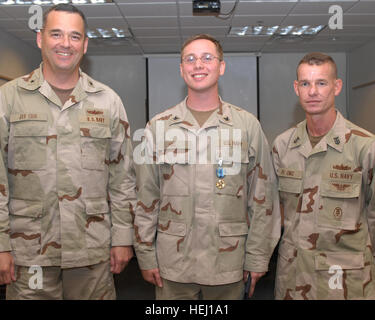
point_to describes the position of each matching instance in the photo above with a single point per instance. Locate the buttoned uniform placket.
(312, 178)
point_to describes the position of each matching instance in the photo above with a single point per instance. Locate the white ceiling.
(161, 26)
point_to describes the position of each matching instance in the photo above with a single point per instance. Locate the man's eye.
(207, 57)
(190, 59)
(304, 84)
(76, 38)
(55, 35)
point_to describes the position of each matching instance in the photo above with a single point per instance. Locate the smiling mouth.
(199, 76)
(64, 54)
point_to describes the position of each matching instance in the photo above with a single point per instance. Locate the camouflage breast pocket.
(95, 145)
(25, 218)
(231, 245)
(339, 200)
(28, 141)
(290, 180)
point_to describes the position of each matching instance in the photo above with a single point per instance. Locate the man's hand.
(152, 276)
(6, 268)
(255, 276)
(120, 257)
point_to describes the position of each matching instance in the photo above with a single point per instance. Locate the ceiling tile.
(156, 32)
(264, 8)
(106, 23)
(149, 9)
(363, 7)
(203, 22)
(214, 31)
(321, 7)
(240, 21)
(154, 22)
(359, 19)
(312, 20)
(100, 10)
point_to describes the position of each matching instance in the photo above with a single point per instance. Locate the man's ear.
(39, 39)
(295, 85)
(338, 86)
(85, 45)
(222, 67)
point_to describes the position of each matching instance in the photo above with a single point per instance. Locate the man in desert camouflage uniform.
(67, 183)
(325, 167)
(202, 226)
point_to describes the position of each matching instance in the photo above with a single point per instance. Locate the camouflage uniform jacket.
(185, 225)
(67, 180)
(327, 197)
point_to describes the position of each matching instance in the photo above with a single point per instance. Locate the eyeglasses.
(206, 58)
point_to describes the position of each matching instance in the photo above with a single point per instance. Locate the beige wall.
(361, 66)
(16, 57)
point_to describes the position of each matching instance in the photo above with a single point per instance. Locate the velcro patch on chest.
(340, 182)
(28, 116)
(95, 116)
(289, 173)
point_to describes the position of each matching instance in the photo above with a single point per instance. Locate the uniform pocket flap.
(290, 185)
(96, 206)
(229, 229)
(26, 208)
(324, 261)
(172, 227)
(338, 184)
(99, 132)
(34, 125)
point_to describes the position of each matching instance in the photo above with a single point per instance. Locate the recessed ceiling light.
(101, 33)
(275, 30)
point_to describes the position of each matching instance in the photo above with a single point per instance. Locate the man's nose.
(313, 90)
(66, 41)
(198, 63)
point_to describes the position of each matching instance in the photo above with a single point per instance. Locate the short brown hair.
(204, 36)
(317, 59)
(65, 7)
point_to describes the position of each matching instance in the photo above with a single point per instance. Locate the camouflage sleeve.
(369, 163)
(146, 218)
(4, 190)
(121, 185)
(263, 203)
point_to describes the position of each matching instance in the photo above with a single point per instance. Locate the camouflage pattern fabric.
(188, 224)
(327, 196)
(67, 184)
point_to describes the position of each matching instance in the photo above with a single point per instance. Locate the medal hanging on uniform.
(220, 174)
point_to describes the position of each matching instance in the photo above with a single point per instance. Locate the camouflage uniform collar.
(334, 138)
(185, 118)
(89, 84)
(35, 79)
